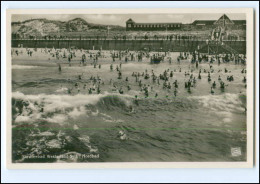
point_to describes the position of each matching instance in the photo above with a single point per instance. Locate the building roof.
(224, 19)
(199, 22)
(206, 22)
(129, 20)
(157, 23)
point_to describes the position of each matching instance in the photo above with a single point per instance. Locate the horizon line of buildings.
(224, 20)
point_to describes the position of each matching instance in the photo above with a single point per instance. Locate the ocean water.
(196, 126)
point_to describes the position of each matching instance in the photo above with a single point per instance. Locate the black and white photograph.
(166, 87)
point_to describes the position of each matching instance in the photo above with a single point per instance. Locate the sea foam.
(57, 108)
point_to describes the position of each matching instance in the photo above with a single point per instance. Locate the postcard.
(130, 88)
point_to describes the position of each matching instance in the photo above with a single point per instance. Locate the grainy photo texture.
(129, 87)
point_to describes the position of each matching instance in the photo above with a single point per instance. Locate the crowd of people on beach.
(126, 55)
(89, 57)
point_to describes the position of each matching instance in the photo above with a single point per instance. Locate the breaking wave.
(227, 102)
(60, 108)
(225, 106)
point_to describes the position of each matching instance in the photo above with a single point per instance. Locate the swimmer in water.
(175, 92)
(140, 83)
(199, 77)
(212, 91)
(90, 91)
(42, 109)
(209, 79)
(59, 68)
(146, 93)
(122, 135)
(171, 74)
(189, 90)
(98, 90)
(119, 75)
(121, 91)
(156, 95)
(194, 80)
(214, 84)
(244, 80)
(222, 85)
(69, 91)
(176, 84)
(226, 70)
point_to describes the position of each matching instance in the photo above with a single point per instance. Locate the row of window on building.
(154, 26)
